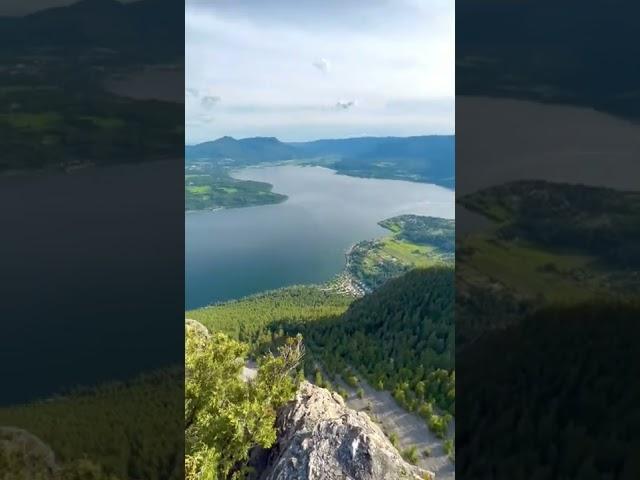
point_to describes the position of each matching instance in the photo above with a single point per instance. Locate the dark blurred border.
(547, 264)
(92, 252)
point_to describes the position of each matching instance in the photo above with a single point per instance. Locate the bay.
(237, 252)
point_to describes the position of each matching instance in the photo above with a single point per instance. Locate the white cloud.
(258, 61)
(323, 65)
(209, 101)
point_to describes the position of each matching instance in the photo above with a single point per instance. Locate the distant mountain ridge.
(246, 150)
(429, 158)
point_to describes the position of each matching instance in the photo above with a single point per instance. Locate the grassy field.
(554, 242)
(33, 121)
(209, 188)
(414, 242)
(532, 270)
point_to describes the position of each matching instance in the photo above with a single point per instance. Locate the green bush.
(218, 401)
(410, 454)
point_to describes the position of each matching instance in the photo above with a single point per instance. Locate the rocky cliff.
(25, 456)
(320, 438)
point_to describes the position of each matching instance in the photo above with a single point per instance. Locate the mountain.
(560, 385)
(245, 151)
(319, 437)
(340, 146)
(427, 159)
(421, 158)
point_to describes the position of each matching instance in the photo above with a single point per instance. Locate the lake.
(238, 252)
(92, 266)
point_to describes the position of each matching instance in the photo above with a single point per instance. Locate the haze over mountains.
(421, 158)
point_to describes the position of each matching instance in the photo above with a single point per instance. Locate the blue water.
(237, 252)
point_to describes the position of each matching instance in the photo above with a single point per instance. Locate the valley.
(233, 253)
(348, 248)
(354, 344)
(407, 271)
(366, 157)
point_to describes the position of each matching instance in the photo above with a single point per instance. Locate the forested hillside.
(556, 386)
(546, 243)
(420, 158)
(255, 319)
(399, 338)
(598, 221)
(128, 430)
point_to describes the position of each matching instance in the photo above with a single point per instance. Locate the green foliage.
(400, 337)
(410, 454)
(83, 470)
(449, 448)
(594, 220)
(343, 393)
(318, 379)
(393, 438)
(360, 393)
(257, 320)
(434, 231)
(62, 118)
(561, 386)
(126, 430)
(415, 242)
(225, 415)
(351, 380)
(20, 464)
(438, 424)
(208, 188)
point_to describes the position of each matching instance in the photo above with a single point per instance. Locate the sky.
(304, 70)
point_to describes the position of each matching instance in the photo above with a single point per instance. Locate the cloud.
(209, 101)
(194, 92)
(345, 105)
(396, 63)
(323, 65)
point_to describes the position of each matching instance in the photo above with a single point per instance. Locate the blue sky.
(301, 70)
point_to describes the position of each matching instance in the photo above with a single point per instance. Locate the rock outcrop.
(23, 455)
(320, 438)
(197, 327)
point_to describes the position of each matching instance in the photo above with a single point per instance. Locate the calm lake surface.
(237, 252)
(89, 293)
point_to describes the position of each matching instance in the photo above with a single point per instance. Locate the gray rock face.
(320, 438)
(200, 329)
(24, 456)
